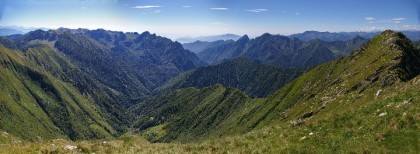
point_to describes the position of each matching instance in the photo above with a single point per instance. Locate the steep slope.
(254, 79)
(197, 46)
(331, 36)
(108, 99)
(8, 43)
(330, 96)
(279, 51)
(96, 60)
(387, 59)
(190, 113)
(344, 48)
(221, 51)
(308, 55)
(35, 104)
(131, 63)
(285, 52)
(417, 44)
(367, 102)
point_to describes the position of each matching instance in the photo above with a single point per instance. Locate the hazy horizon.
(188, 18)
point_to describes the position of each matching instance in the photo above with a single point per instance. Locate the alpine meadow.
(209, 76)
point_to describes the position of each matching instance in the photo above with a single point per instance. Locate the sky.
(180, 18)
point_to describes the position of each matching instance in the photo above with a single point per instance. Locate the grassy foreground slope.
(363, 130)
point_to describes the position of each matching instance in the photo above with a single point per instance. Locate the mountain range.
(76, 84)
(8, 31)
(363, 101)
(45, 96)
(208, 38)
(12, 30)
(131, 63)
(256, 80)
(276, 50)
(356, 95)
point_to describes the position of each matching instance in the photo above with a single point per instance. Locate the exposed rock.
(297, 122)
(70, 147)
(378, 93)
(383, 114)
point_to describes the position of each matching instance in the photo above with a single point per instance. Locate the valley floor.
(385, 125)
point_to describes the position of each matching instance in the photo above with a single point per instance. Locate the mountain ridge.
(363, 102)
(209, 38)
(270, 49)
(334, 90)
(256, 80)
(139, 62)
(58, 106)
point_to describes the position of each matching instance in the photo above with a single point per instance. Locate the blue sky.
(178, 18)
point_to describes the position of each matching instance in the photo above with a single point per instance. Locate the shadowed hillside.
(256, 80)
(350, 95)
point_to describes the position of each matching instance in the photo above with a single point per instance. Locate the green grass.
(192, 114)
(368, 102)
(37, 105)
(256, 80)
(155, 133)
(337, 99)
(358, 131)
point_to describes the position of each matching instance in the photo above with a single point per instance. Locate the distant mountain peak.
(266, 35)
(145, 33)
(209, 38)
(358, 37)
(244, 39)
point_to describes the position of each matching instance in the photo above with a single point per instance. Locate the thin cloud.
(219, 8)
(257, 10)
(156, 11)
(379, 28)
(218, 23)
(393, 20)
(297, 13)
(186, 6)
(152, 12)
(411, 27)
(373, 28)
(398, 19)
(147, 7)
(369, 18)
